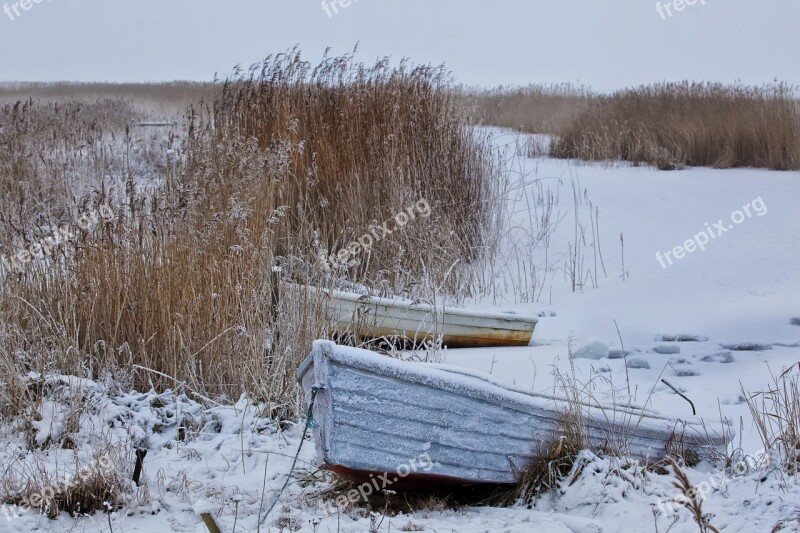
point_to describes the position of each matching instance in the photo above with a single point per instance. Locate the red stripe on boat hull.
(414, 481)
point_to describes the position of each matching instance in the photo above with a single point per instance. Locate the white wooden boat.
(374, 415)
(371, 317)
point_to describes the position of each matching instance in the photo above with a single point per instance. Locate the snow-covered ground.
(741, 292)
(744, 289)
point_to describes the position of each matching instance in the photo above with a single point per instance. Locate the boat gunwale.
(404, 304)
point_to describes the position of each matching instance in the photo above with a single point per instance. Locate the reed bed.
(49, 153)
(287, 164)
(153, 101)
(668, 125)
(673, 125)
(544, 109)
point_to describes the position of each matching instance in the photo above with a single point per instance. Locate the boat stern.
(313, 375)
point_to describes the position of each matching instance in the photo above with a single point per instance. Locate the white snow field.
(712, 323)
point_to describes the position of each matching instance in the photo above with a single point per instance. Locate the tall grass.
(668, 125)
(545, 109)
(287, 164)
(776, 416)
(151, 100)
(673, 125)
(48, 150)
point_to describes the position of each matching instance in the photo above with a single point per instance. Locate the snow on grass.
(727, 316)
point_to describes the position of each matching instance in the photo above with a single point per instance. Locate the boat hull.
(370, 317)
(428, 423)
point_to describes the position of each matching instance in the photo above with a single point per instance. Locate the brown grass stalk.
(285, 165)
(673, 125)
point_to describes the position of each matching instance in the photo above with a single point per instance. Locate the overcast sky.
(601, 43)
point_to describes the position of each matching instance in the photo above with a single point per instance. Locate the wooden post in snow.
(274, 309)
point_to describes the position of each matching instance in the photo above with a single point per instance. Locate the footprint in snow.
(683, 371)
(724, 356)
(747, 346)
(617, 353)
(739, 400)
(638, 364)
(667, 349)
(686, 337)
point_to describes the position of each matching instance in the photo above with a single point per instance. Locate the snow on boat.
(371, 317)
(433, 424)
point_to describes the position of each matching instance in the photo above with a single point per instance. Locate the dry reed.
(286, 165)
(545, 109)
(673, 125)
(776, 415)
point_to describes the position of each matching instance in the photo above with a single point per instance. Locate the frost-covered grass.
(283, 166)
(69, 448)
(231, 462)
(287, 164)
(151, 332)
(776, 415)
(153, 101)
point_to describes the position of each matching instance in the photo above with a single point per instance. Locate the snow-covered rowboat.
(374, 415)
(371, 317)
